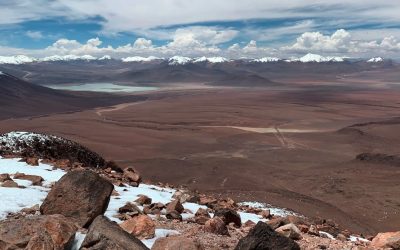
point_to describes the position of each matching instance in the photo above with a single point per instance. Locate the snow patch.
(78, 240)
(106, 57)
(15, 199)
(274, 210)
(375, 59)
(328, 235)
(318, 58)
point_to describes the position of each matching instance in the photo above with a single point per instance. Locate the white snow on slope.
(67, 58)
(13, 139)
(15, 199)
(217, 59)
(1, 73)
(179, 60)
(266, 59)
(275, 211)
(157, 194)
(140, 59)
(19, 59)
(375, 59)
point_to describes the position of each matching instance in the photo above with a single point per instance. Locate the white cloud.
(36, 35)
(342, 41)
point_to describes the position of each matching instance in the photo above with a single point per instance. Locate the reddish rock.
(132, 175)
(303, 228)
(37, 232)
(266, 214)
(80, 196)
(387, 240)
(9, 184)
(173, 215)
(176, 243)
(143, 199)
(202, 212)
(5, 177)
(207, 201)
(313, 230)
(130, 209)
(175, 205)
(35, 179)
(216, 226)
(228, 216)
(107, 235)
(33, 161)
(276, 222)
(141, 226)
(290, 230)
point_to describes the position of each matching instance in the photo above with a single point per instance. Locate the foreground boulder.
(176, 243)
(80, 196)
(107, 235)
(389, 240)
(141, 226)
(37, 232)
(263, 237)
(228, 216)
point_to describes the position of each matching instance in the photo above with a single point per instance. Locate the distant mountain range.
(177, 60)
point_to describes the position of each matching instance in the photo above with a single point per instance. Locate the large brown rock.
(263, 237)
(141, 226)
(389, 240)
(80, 196)
(228, 216)
(176, 243)
(37, 232)
(104, 234)
(216, 226)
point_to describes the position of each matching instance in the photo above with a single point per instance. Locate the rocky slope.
(78, 206)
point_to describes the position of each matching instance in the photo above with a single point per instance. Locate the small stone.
(290, 231)
(216, 226)
(175, 205)
(9, 184)
(5, 177)
(143, 199)
(174, 215)
(141, 226)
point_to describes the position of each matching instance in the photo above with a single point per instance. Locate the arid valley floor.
(292, 146)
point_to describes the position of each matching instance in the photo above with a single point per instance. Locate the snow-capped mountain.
(106, 57)
(217, 59)
(67, 58)
(318, 58)
(375, 59)
(140, 59)
(179, 60)
(19, 59)
(266, 59)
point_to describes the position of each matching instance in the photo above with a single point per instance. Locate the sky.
(228, 28)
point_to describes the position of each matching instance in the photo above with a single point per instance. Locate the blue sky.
(230, 28)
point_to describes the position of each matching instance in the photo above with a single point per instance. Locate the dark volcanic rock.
(228, 216)
(79, 195)
(263, 237)
(48, 147)
(104, 234)
(37, 232)
(379, 159)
